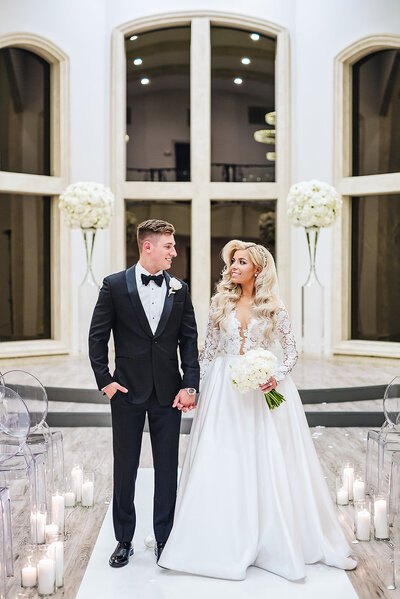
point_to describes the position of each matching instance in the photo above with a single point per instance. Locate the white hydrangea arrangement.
(313, 204)
(254, 368)
(87, 205)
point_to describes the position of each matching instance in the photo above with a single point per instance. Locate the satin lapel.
(169, 302)
(135, 299)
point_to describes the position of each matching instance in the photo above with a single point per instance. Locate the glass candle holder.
(342, 494)
(381, 522)
(76, 482)
(69, 493)
(56, 552)
(348, 478)
(28, 569)
(88, 489)
(46, 572)
(58, 509)
(359, 489)
(362, 520)
(50, 531)
(38, 526)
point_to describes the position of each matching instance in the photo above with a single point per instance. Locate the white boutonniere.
(174, 285)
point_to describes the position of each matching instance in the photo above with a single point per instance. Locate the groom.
(151, 316)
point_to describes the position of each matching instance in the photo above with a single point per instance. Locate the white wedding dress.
(251, 490)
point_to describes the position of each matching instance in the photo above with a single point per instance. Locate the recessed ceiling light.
(255, 37)
(245, 60)
(238, 81)
(145, 81)
(137, 61)
(133, 38)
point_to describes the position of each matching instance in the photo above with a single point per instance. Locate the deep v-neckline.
(243, 331)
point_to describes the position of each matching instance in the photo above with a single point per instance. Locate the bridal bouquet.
(313, 204)
(87, 205)
(253, 369)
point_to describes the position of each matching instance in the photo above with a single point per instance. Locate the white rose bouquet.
(87, 205)
(253, 369)
(313, 204)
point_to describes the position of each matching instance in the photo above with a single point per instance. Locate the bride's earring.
(256, 275)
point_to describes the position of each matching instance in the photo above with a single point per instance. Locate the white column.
(200, 132)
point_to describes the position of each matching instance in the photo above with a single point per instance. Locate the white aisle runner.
(143, 579)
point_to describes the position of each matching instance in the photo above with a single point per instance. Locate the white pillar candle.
(56, 551)
(87, 494)
(28, 576)
(380, 519)
(342, 496)
(69, 499)
(51, 531)
(363, 525)
(46, 576)
(348, 480)
(38, 523)
(359, 490)
(57, 510)
(76, 480)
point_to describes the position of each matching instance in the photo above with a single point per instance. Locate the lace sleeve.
(210, 347)
(287, 341)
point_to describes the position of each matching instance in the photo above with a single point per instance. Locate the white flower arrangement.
(254, 368)
(87, 205)
(313, 204)
(174, 285)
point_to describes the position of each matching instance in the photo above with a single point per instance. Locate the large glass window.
(176, 213)
(242, 93)
(376, 113)
(24, 112)
(24, 267)
(158, 105)
(249, 221)
(375, 289)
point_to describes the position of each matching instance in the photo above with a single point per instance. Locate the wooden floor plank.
(92, 448)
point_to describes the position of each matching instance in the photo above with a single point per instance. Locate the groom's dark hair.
(153, 226)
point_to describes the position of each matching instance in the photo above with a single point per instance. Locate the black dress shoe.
(121, 555)
(158, 549)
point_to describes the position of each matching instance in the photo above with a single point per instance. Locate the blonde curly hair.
(265, 304)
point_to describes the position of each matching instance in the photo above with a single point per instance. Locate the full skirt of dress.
(251, 490)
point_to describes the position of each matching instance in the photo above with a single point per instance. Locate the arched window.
(33, 170)
(197, 148)
(368, 173)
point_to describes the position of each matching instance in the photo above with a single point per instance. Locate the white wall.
(318, 30)
(321, 31)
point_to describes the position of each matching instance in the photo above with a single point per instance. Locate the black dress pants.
(128, 422)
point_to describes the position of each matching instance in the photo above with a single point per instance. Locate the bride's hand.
(269, 385)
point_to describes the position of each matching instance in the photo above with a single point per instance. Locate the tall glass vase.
(312, 302)
(88, 291)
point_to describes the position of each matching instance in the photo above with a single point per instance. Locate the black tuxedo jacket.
(144, 361)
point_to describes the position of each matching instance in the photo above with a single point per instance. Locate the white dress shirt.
(152, 296)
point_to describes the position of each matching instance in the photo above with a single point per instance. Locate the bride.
(251, 491)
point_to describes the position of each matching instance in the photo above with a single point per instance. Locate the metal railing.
(308, 396)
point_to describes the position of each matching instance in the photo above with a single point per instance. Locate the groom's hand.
(183, 401)
(112, 388)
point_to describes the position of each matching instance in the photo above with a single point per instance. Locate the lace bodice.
(229, 342)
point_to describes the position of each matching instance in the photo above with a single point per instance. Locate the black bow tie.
(158, 279)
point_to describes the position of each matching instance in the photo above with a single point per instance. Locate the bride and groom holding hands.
(251, 491)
